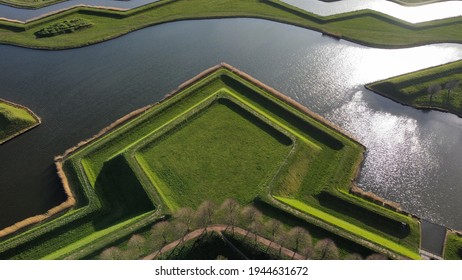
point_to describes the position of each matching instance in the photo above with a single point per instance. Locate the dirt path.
(220, 229)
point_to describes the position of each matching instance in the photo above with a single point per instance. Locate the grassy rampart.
(220, 135)
(15, 120)
(29, 4)
(415, 89)
(364, 27)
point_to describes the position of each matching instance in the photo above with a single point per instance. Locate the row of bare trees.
(233, 215)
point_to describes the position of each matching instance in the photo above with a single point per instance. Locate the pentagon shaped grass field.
(221, 135)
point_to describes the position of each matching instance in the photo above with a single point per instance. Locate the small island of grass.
(15, 120)
(437, 88)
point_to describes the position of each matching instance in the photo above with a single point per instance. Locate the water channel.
(413, 157)
(411, 14)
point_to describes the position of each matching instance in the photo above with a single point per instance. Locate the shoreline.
(418, 107)
(293, 16)
(37, 119)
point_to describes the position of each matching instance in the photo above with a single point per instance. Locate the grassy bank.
(365, 27)
(453, 246)
(15, 120)
(426, 89)
(29, 4)
(221, 135)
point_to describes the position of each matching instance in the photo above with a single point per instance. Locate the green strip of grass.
(377, 239)
(91, 238)
(365, 27)
(412, 89)
(15, 120)
(30, 4)
(453, 246)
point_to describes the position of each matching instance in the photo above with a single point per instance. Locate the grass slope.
(223, 135)
(15, 120)
(365, 27)
(412, 88)
(29, 4)
(226, 151)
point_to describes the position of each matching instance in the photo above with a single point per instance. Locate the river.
(413, 157)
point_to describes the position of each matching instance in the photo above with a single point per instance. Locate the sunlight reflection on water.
(404, 160)
(399, 160)
(411, 14)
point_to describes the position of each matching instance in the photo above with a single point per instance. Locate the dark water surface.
(413, 157)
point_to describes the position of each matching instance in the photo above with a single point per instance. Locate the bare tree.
(136, 242)
(111, 253)
(450, 86)
(432, 90)
(163, 229)
(326, 250)
(308, 252)
(274, 227)
(256, 227)
(182, 230)
(204, 214)
(249, 214)
(281, 239)
(231, 209)
(299, 238)
(186, 216)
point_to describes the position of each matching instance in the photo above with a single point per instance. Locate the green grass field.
(14, 120)
(223, 136)
(364, 27)
(453, 246)
(224, 152)
(412, 88)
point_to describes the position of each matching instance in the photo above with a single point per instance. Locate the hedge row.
(67, 26)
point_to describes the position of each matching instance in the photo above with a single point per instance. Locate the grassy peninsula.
(265, 149)
(438, 88)
(15, 120)
(364, 27)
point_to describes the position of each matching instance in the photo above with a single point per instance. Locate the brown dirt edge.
(418, 107)
(220, 229)
(37, 119)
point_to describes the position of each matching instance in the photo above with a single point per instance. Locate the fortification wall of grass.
(364, 27)
(119, 184)
(412, 89)
(15, 120)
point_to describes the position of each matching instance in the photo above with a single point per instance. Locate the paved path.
(220, 229)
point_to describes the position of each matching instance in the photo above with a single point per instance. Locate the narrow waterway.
(413, 157)
(411, 14)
